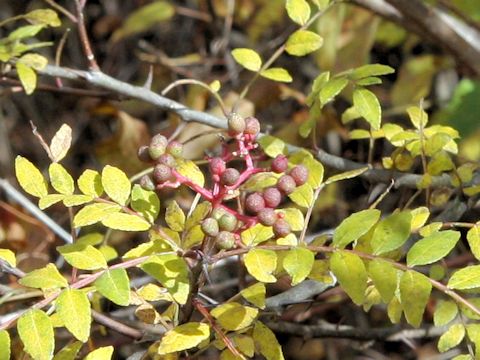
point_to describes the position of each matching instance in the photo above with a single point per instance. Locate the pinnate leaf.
(36, 332)
(145, 202)
(115, 286)
(302, 195)
(73, 307)
(346, 175)
(256, 234)
(27, 77)
(261, 264)
(371, 70)
(384, 277)
(391, 233)
(30, 178)
(277, 74)
(248, 58)
(233, 316)
(61, 179)
(355, 226)
(82, 256)
(298, 11)
(61, 142)
(255, 294)
(445, 312)
(47, 277)
(432, 248)
(298, 263)
(102, 353)
(451, 338)
(466, 278)
(175, 217)
(351, 274)
(303, 42)
(76, 199)
(473, 238)
(125, 222)
(90, 183)
(4, 345)
(190, 170)
(266, 342)
(368, 107)
(69, 352)
(8, 256)
(116, 184)
(44, 17)
(415, 291)
(184, 337)
(94, 213)
(331, 89)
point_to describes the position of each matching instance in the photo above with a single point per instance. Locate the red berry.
(225, 240)
(162, 173)
(210, 227)
(167, 159)
(236, 124)
(157, 147)
(175, 149)
(252, 126)
(267, 217)
(272, 197)
(254, 203)
(281, 228)
(286, 184)
(217, 166)
(279, 164)
(143, 154)
(229, 176)
(300, 174)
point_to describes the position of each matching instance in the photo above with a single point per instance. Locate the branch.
(97, 78)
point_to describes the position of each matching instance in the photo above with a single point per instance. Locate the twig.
(116, 325)
(58, 53)
(61, 9)
(82, 32)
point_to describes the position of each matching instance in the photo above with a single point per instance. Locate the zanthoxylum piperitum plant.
(254, 199)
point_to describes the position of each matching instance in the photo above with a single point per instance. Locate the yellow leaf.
(50, 199)
(298, 11)
(94, 213)
(175, 217)
(255, 294)
(125, 222)
(82, 256)
(61, 179)
(248, 58)
(102, 353)
(261, 264)
(73, 307)
(190, 170)
(184, 337)
(90, 183)
(303, 42)
(266, 342)
(8, 256)
(75, 200)
(47, 277)
(233, 316)
(116, 184)
(27, 77)
(277, 74)
(298, 263)
(30, 178)
(5, 345)
(36, 332)
(34, 61)
(43, 16)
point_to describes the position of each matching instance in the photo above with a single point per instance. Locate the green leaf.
(315, 172)
(298, 11)
(47, 277)
(84, 257)
(418, 117)
(466, 278)
(76, 200)
(61, 179)
(69, 352)
(102, 353)
(43, 16)
(302, 195)
(30, 178)
(371, 70)
(61, 142)
(50, 199)
(145, 202)
(303, 42)
(190, 170)
(331, 89)
(256, 234)
(345, 175)
(351, 274)
(4, 345)
(36, 332)
(172, 272)
(233, 316)
(183, 337)
(90, 183)
(419, 217)
(415, 291)
(175, 217)
(294, 217)
(201, 212)
(369, 81)
(261, 264)
(451, 338)
(368, 107)
(115, 286)
(125, 222)
(473, 238)
(8, 256)
(266, 342)
(298, 263)
(27, 77)
(73, 307)
(432, 248)
(272, 146)
(355, 226)
(391, 233)
(384, 277)
(248, 58)
(94, 213)
(445, 312)
(116, 184)
(255, 294)
(277, 74)
(25, 32)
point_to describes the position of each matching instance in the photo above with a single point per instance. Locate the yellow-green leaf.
(294, 217)
(90, 183)
(432, 248)
(256, 234)
(351, 274)
(355, 226)
(248, 58)
(76, 199)
(298, 263)
(102, 353)
(277, 74)
(47, 277)
(303, 42)
(266, 342)
(115, 286)
(116, 184)
(261, 264)
(418, 117)
(25, 32)
(466, 278)
(255, 294)
(125, 222)
(82, 256)
(233, 316)
(384, 277)
(30, 178)
(302, 195)
(61, 142)
(145, 202)
(445, 311)
(175, 217)
(272, 146)
(36, 332)
(368, 107)
(298, 11)
(315, 172)
(61, 179)
(415, 291)
(34, 61)
(50, 199)
(94, 213)
(4, 345)
(451, 338)
(346, 175)
(473, 238)
(27, 77)
(371, 70)
(190, 170)
(73, 307)
(69, 352)
(391, 232)
(183, 337)
(8, 256)
(419, 217)
(43, 16)
(331, 89)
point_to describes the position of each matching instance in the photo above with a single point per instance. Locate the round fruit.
(272, 197)
(162, 173)
(267, 217)
(286, 184)
(254, 203)
(217, 166)
(236, 123)
(225, 240)
(210, 227)
(227, 222)
(229, 176)
(146, 183)
(281, 228)
(175, 149)
(252, 126)
(167, 159)
(157, 147)
(218, 213)
(300, 174)
(279, 164)
(144, 154)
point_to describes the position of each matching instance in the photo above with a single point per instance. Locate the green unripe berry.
(236, 123)
(175, 149)
(229, 177)
(157, 147)
(225, 240)
(286, 184)
(146, 183)
(281, 228)
(210, 227)
(254, 203)
(228, 222)
(218, 213)
(267, 216)
(162, 173)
